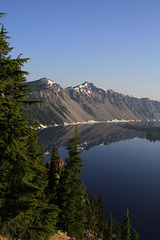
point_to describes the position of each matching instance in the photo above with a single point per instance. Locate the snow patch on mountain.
(50, 82)
(84, 88)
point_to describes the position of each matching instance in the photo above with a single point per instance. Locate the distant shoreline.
(95, 122)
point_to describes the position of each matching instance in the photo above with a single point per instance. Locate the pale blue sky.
(112, 43)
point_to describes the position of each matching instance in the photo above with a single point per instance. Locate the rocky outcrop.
(60, 166)
(60, 236)
(90, 235)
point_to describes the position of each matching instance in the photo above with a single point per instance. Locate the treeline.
(110, 229)
(35, 199)
(153, 136)
(79, 211)
(25, 210)
(140, 127)
(152, 133)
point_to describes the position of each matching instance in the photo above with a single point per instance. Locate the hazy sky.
(113, 43)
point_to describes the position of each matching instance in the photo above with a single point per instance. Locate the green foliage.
(95, 221)
(70, 195)
(110, 228)
(29, 198)
(24, 208)
(53, 175)
(116, 229)
(101, 213)
(2, 15)
(126, 227)
(95, 214)
(91, 213)
(135, 235)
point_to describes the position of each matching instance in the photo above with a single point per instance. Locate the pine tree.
(24, 209)
(116, 229)
(101, 215)
(109, 228)
(135, 235)
(54, 172)
(70, 197)
(91, 213)
(126, 227)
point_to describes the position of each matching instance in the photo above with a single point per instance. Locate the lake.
(126, 170)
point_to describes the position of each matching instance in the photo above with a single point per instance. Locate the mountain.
(86, 102)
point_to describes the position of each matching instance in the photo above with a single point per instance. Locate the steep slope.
(57, 106)
(95, 101)
(86, 102)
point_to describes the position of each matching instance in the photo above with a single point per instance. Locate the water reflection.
(126, 173)
(153, 136)
(90, 135)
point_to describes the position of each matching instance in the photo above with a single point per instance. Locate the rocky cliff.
(87, 102)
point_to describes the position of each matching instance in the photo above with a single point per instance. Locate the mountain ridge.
(86, 102)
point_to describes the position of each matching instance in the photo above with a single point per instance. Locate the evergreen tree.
(91, 213)
(93, 201)
(135, 235)
(116, 229)
(53, 175)
(110, 228)
(126, 227)
(101, 215)
(70, 197)
(92, 221)
(24, 209)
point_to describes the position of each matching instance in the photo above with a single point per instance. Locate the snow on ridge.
(83, 88)
(50, 82)
(85, 84)
(77, 89)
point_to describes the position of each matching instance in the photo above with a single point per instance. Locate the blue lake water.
(121, 165)
(127, 173)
